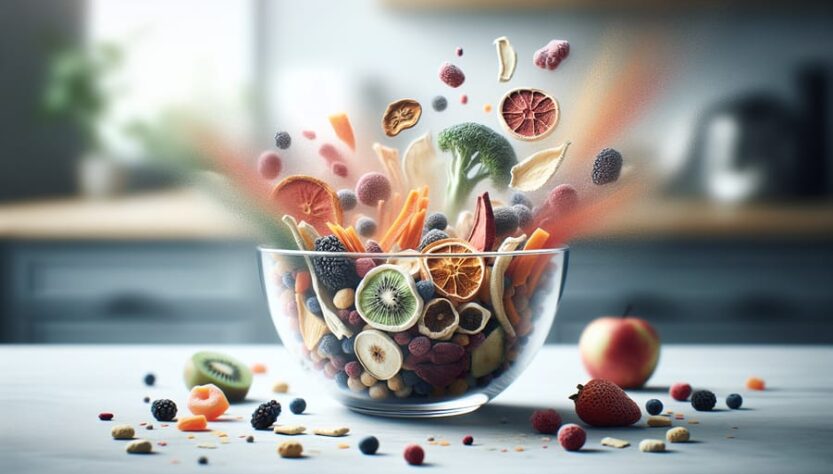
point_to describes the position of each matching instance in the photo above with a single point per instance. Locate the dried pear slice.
(507, 59)
(473, 318)
(380, 356)
(533, 173)
(502, 262)
(488, 356)
(419, 163)
(439, 319)
(301, 232)
(311, 326)
(389, 157)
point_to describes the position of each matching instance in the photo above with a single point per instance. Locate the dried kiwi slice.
(387, 299)
(226, 372)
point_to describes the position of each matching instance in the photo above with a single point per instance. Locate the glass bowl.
(427, 359)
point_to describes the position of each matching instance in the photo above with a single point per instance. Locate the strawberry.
(602, 403)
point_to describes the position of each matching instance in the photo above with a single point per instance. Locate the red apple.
(623, 350)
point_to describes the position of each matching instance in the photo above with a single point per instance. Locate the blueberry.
(439, 103)
(298, 406)
(329, 346)
(288, 280)
(410, 378)
(366, 226)
(348, 199)
(734, 401)
(314, 306)
(347, 346)
(520, 198)
(283, 140)
(425, 289)
(150, 379)
(653, 406)
(524, 215)
(341, 379)
(422, 387)
(437, 221)
(369, 445)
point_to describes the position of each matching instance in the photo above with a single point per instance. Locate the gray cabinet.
(110, 292)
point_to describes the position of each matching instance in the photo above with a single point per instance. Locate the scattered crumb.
(693, 421)
(546, 438)
(503, 450)
(280, 387)
(162, 443)
(207, 446)
(615, 443)
(191, 436)
(519, 449)
(343, 446)
(430, 438)
(730, 437)
(443, 443)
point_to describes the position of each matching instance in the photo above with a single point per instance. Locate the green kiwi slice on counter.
(227, 373)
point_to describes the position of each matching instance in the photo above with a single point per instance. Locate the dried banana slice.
(302, 233)
(507, 59)
(496, 281)
(419, 163)
(533, 173)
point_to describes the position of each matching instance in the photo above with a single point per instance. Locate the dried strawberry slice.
(529, 114)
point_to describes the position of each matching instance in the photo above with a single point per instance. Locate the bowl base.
(457, 406)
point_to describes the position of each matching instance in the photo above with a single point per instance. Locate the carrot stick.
(523, 265)
(401, 222)
(344, 131)
(418, 223)
(381, 214)
(342, 236)
(511, 312)
(357, 242)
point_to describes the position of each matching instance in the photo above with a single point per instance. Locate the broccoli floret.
(478, 152)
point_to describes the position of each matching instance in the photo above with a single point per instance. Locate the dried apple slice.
(482, 234)
(533, 173)
(419, 163)
(507, 59)
(528, 114)
(496, 283)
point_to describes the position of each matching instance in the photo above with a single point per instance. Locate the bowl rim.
(269, 250)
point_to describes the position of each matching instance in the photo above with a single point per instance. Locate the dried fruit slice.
(507, 59)
(457, 278)
(312, 327)
(419, 163)
(308, 199)
(496, 283)
(528, 114)
(409, 261)
(473, 318)
(344, 131)
(387, 299)
(482, 235)
(487, 357)
(400, 115)
(380, 356)
(533, 173)
(439, 319)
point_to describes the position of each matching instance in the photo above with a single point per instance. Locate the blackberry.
(373, 247)
(425, 289)
(520, 198)
(163, 410)
(524, 215)
(506, 221)
(329, 346)
(283, 140)
(432, 236)
(437, 221)
(298, 406)
(150, 379)
(266, 415)
(348, 199)
(703, 400)
(369, 445)
(734, 401)
(607, 166)
(334, 272)
(653, 406)
(439, 103)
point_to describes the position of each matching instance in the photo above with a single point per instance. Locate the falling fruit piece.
(344, 131)
(419, 162)
(400, 115)
(457, 278)
(528, 114)
(497, 282)
(533, 173)
(482, 235)
(308, 199)
(507, 59)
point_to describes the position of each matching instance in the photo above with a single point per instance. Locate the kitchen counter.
(51, 396)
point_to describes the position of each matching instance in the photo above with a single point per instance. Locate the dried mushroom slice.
(401, 115)
(473, 318)
(439, 319)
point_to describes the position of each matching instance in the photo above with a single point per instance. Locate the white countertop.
(51, 396)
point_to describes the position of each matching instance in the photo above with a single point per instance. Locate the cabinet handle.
(134, 305)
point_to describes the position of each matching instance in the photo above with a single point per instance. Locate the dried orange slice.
(528, 114)
(308, 199)
(457, 278)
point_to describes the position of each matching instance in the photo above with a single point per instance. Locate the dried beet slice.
(308, 199)
(482, 235)
(528, 114)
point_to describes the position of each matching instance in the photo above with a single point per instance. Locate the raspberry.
(373, 187)
(355, 319)
(571, 437)
(734, 401)
(703, 400)
(414, 454)
(309, 134)
(419, 346)
(562, 199)
(373, 247)
(451, 75)
(163, 410)
(680, 391)
(283, 140)
(458, 51)
(402, 338)
(439, 103)
(105, 416)
(468, 440)
(653, 406)
(353, 369)
(269, 165)
(339, 169)
(551, 55)
(364, 265)
(464, 99)
(545, 421)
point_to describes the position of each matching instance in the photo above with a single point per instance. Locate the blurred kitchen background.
(107, 235)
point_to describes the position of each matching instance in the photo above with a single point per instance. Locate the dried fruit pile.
(436, 313)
